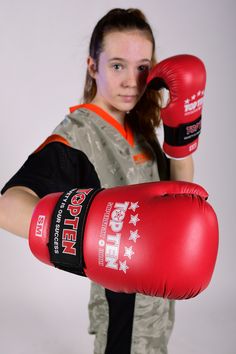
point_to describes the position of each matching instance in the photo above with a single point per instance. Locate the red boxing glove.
(157, 239)
(185, 78)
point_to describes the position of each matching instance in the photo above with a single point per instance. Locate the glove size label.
(40, 226)
(66, 233)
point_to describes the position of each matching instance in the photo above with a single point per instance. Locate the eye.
(144, 68)
(117, 67)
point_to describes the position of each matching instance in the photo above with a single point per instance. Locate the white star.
(193, 97)
(134, 219)
(129, 252)
(134, 236)
(123, 266)
(187, 101)
(134, 206)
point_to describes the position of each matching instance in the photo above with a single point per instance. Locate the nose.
(130, 79)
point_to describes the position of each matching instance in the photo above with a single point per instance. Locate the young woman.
(109, 140)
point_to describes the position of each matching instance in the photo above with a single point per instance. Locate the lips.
(128, 98)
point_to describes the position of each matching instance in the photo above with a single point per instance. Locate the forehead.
(133, 45)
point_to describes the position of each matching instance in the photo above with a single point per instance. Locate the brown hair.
(145, 116)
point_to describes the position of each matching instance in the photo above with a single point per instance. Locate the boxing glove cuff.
(67, 229)
(183, 134)
(57, 228)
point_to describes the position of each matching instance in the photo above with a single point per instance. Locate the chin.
(127, 107)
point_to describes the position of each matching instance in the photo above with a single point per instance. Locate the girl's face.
(122, 70)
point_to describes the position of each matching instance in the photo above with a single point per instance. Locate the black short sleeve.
(55, 168)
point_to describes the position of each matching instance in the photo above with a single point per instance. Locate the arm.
(54, 168)
(182, 170)
(16, 208)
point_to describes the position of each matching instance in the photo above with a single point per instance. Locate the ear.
(91, 65)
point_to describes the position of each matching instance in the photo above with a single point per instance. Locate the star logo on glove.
(123, 266)
(134, 219)
(129, 252)
(134, 206)
(134, 236)
(118, 215)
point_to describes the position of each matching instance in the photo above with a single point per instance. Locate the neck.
(116, 114)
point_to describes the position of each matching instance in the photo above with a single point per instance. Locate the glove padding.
(185, 77)
(158, 238)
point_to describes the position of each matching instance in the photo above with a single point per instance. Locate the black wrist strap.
(183, 134)
(67, 230)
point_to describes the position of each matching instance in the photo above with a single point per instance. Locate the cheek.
(143, 79)
(105, 81)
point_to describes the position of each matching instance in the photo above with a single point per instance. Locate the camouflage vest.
(120, 158)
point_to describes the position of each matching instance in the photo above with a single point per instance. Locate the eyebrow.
(124, 60)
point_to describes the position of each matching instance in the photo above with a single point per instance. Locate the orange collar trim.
(52, 138)
(126, 132)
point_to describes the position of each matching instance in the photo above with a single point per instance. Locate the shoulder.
(66, 164)
(57, 150)
(76, 125)
(55, 167)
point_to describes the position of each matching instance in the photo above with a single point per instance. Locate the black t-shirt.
(55, 168)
